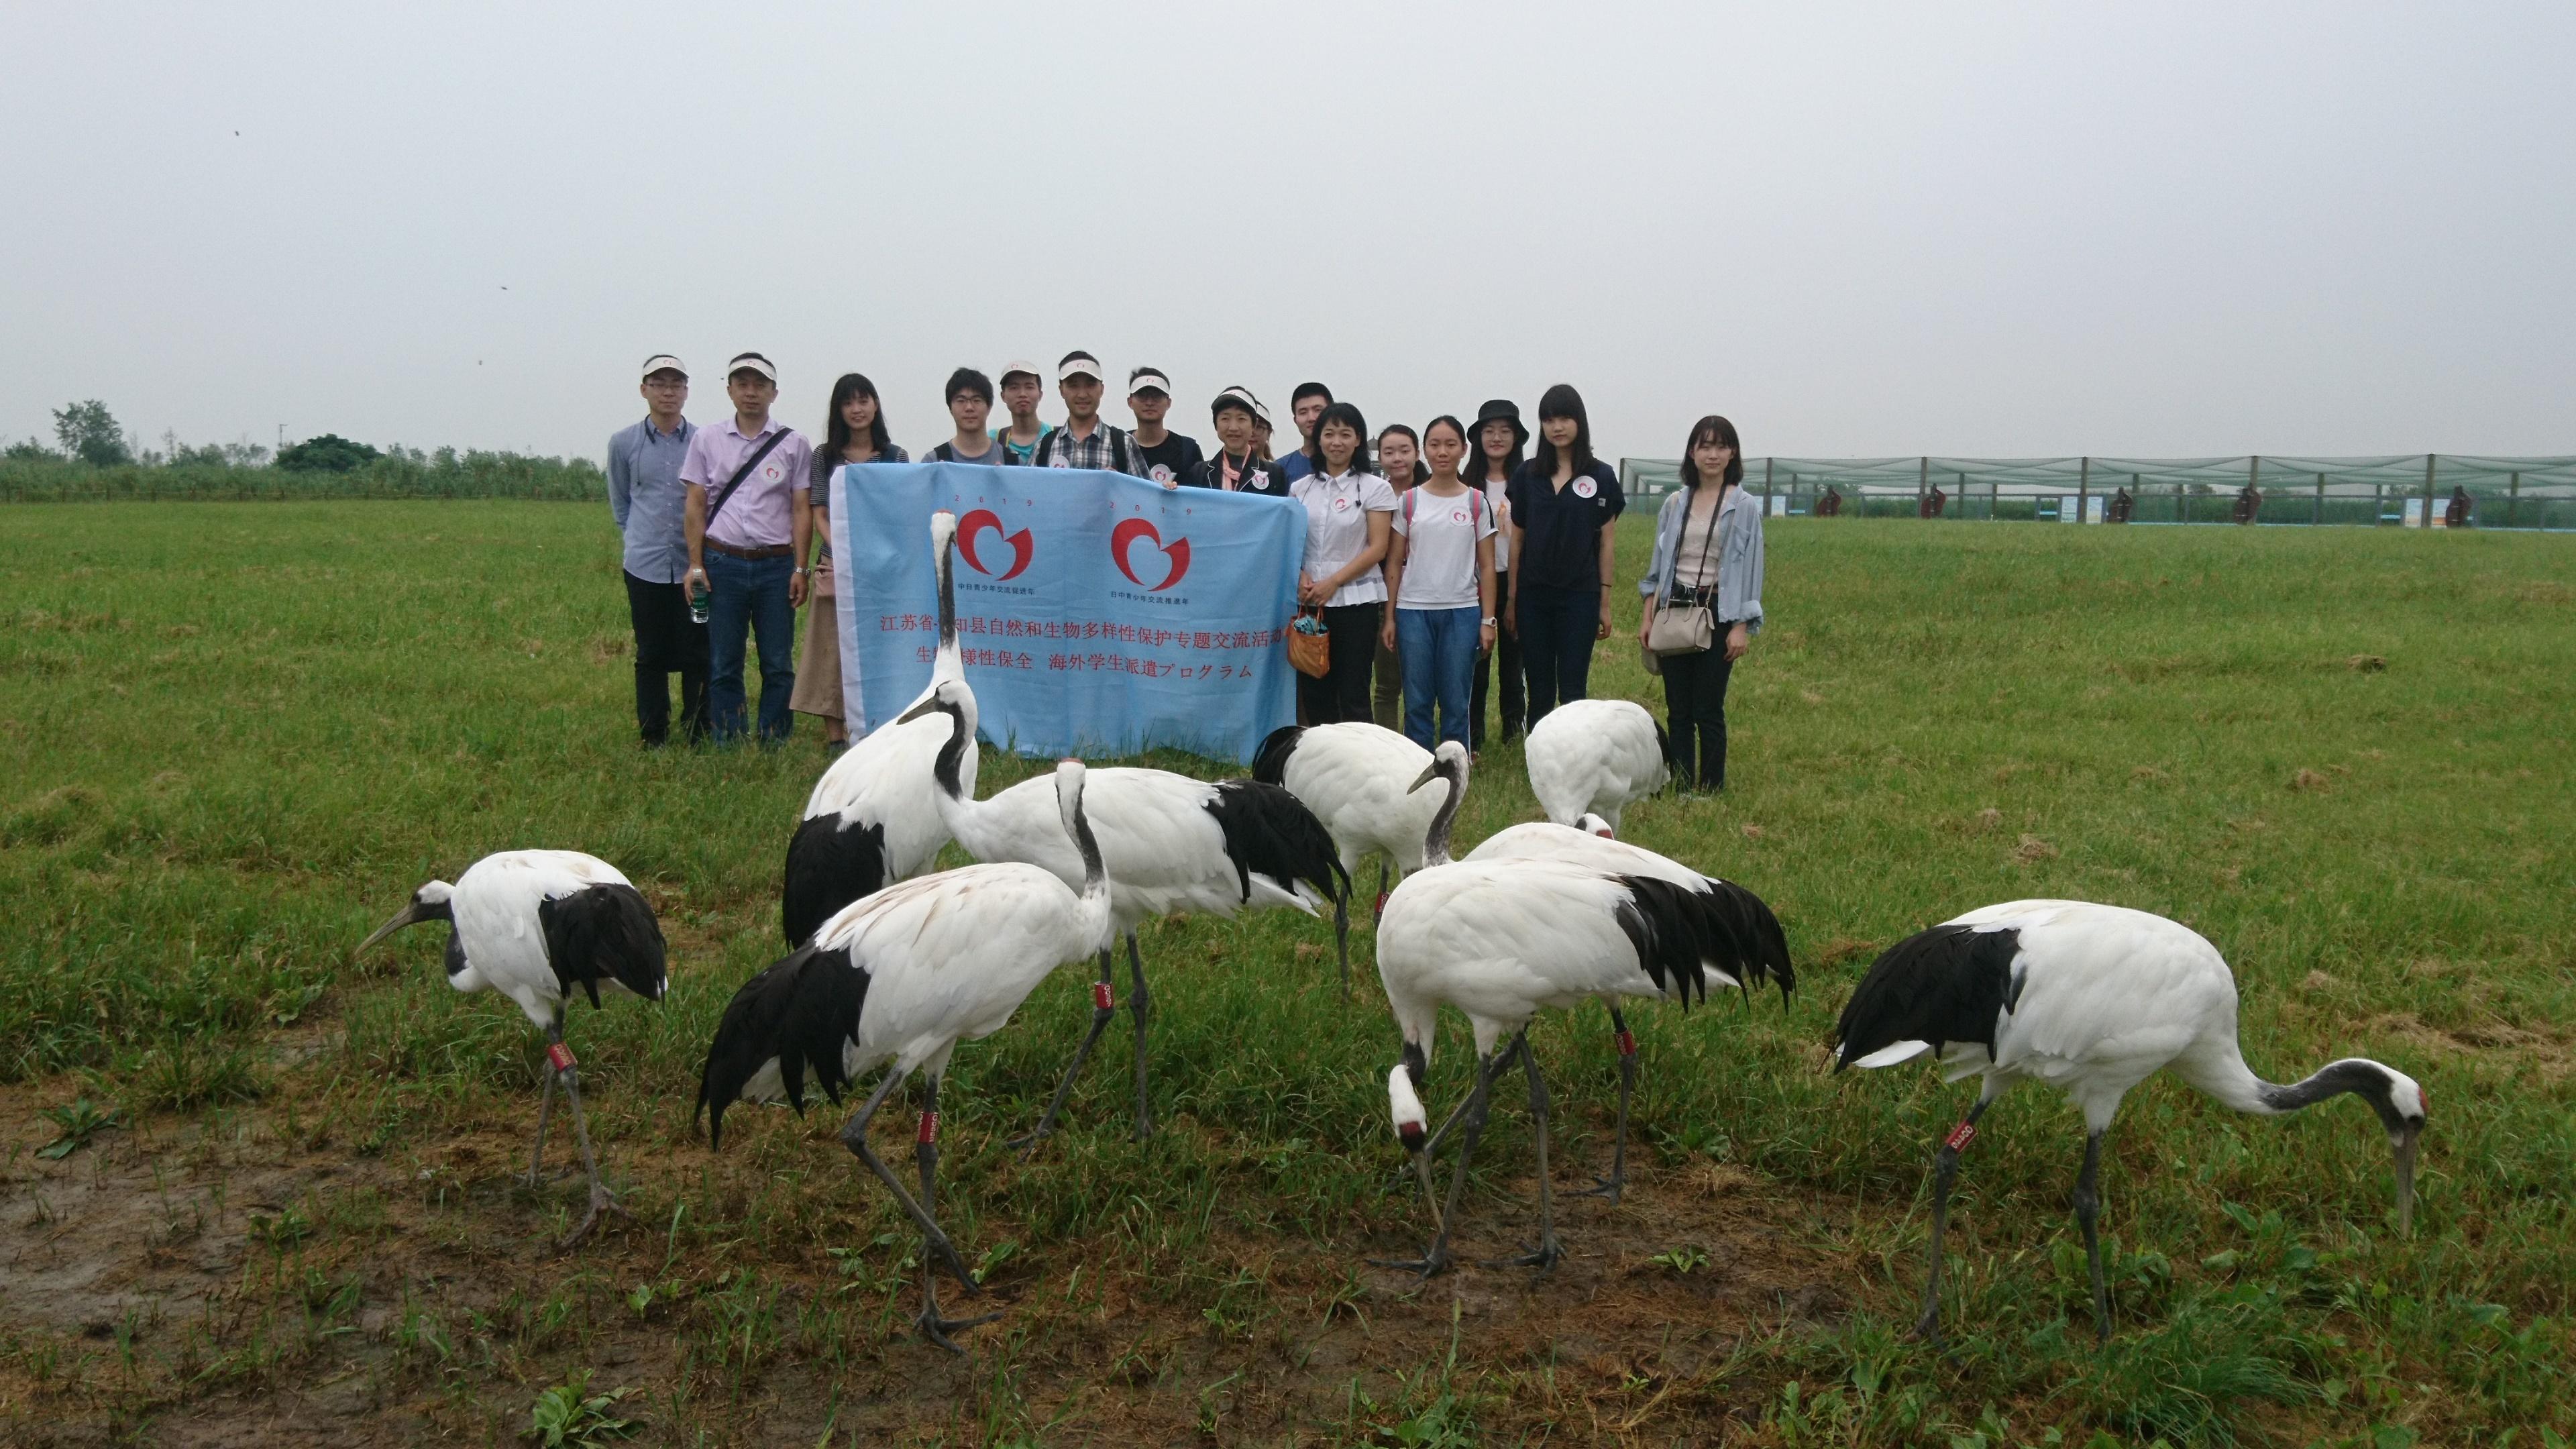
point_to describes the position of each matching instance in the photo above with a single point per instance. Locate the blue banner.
(1101, 615)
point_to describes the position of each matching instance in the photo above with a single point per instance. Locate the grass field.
(253, 1189)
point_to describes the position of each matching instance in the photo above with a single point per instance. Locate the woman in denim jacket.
(1708, 550)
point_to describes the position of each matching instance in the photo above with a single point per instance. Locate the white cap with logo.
(663, 362)
(752, 362)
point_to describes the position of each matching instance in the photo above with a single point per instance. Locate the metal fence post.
(2321, 498)
(2083, 485)
(2513, 500)
(2428, 489)
(1922, 483)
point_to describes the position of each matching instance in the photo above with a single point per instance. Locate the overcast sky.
(1971, 229)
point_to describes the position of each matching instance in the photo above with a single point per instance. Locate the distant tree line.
(94, 458)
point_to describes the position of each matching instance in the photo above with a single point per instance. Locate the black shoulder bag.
(716, 504)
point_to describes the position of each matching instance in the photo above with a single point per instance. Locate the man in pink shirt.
(747, 526)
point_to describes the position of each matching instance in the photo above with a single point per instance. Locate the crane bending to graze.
(1746, 924)
(1172, 843)
(538, 926)
(2091, 1000)
(1502, 940)
(904, 976)
(1595, 755)
(1359, 779)
(873, 817)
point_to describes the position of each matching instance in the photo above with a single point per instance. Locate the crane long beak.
(408, 915)
(2402, 1147)
(917, 711)
(1429, 773)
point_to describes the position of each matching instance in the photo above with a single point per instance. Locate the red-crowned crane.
(1502, 940)
(2091, 1000)
(874, 816)
(538, 926)
(1359, 779)
(1750, 926)
(1172, 843)
(904, 975)
(1594, 755)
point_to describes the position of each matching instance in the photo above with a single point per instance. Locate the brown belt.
(775, 550)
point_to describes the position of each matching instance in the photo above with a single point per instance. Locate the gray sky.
(1970, 229)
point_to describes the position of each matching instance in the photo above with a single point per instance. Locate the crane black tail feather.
(801, 1012)
(1270, 762)
(1679, 933)
(830, 863)
(604, 933)
(1948, 984)
(1268, 830)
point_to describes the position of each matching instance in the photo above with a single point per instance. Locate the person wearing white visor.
(1085, 441)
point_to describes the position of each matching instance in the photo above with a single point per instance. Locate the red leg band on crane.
(1627, 1044)
(929, 1127)
(1960, 1136)
(560, 1055)
(1101, 997)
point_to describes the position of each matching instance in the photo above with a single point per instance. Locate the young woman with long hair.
(1399, 461)
(1440, 570)
(1563, 503)
(854, 431)
(1708, 552)
(1495, 447)
(1347, 513)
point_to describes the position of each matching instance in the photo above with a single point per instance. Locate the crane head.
(429, 903)
(2404, 1107)
(1591, 824)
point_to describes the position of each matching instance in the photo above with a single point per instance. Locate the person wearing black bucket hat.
(1495, 447)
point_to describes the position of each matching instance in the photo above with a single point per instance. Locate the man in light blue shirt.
(646, 499)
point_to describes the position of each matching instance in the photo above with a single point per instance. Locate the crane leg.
(925, 1152)
(1378, 906)
(545, 1110)
(855, 1137)
(1140, 1005)
(1103, 1007)
(1431, 1145)
(1548, 1251)
(1945, 1170)
(2088, 1208)
(1609, 1186)
(1342, 939)
(601, 1199)
(1436, 1258)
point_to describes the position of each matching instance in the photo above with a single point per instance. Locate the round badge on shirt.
(770, 472)
(1341, 505)
(1585, 487)
(1160, 474)
(1459, 516)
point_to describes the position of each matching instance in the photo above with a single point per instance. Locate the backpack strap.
(1118, 453)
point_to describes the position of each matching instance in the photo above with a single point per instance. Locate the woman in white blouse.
(1442, 572)
(1348, 518)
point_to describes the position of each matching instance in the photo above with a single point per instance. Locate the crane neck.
(950, 662)
(2236, 1085)
(1435, 842)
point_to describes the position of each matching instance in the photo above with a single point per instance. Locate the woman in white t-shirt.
(1442, 570)
(1347, 507)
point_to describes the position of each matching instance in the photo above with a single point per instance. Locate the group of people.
(1436, 562)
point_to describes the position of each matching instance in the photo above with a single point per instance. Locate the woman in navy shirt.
(1563, 502)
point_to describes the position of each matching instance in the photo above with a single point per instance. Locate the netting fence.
(2409, 490)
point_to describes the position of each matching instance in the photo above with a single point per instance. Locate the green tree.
(329, 453)
(89, 432)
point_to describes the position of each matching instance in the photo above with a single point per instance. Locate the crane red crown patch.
(929, 1127)
(1101, 997)
(561, 1056)
(1960, 1136)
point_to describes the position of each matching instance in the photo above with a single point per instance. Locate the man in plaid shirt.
(1085, 441)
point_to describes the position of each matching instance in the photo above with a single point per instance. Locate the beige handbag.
(1685, 628)
(1311, 654)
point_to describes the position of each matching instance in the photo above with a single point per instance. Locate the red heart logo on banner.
(1023, 547)
(1178, 551)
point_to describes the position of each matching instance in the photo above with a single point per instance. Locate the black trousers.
(1558, 629)
(1342, 695)
(667, 641)
(1695, 695)
(1503, 658)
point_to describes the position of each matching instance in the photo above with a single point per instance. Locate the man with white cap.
(646, 498)
(749, 523)
(1170, 458)
(1085, 441)
(1022, 385)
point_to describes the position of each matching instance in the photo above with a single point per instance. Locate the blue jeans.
(749, 597)
(1558, 628)
(1438, 647)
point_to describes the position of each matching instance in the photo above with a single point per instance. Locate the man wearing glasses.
(646, 499)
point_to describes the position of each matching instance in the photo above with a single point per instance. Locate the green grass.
(239, 734)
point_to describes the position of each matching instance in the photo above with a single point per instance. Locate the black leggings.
(1558, 630)
(1343, 694)
(1503, 661)
(667, 642)
(1695, 693)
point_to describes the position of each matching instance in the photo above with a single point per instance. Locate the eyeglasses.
(666, 382)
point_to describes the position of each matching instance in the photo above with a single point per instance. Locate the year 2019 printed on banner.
(1100, 615)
